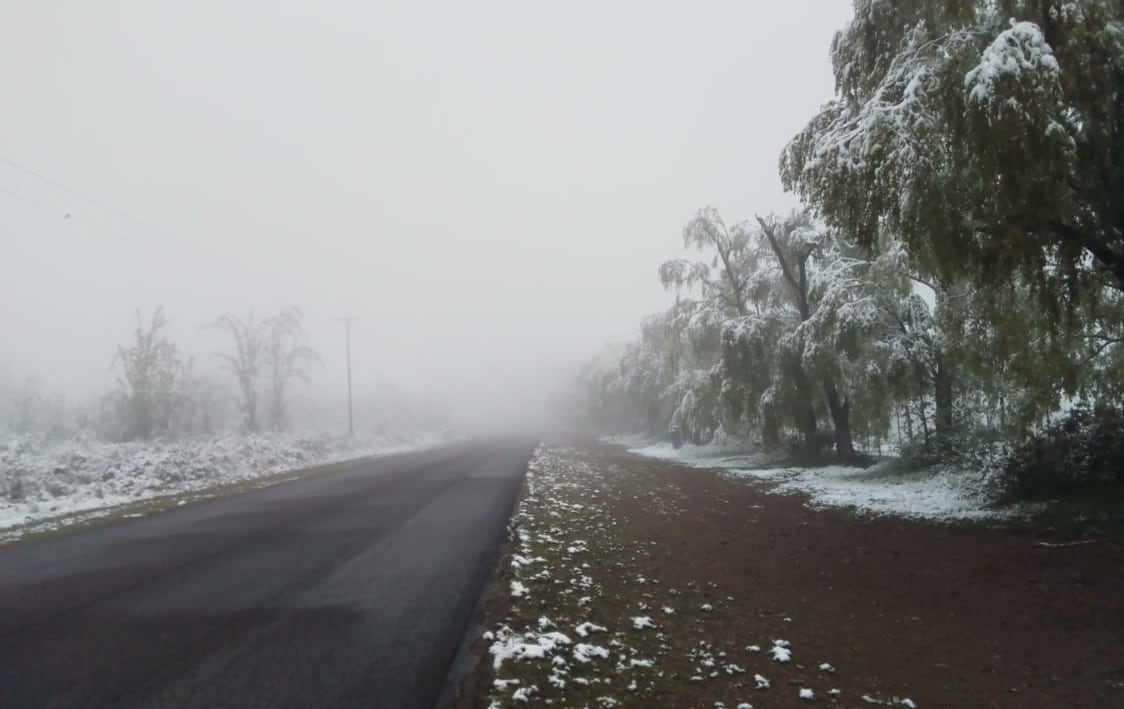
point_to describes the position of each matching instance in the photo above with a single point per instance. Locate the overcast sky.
(490, 186)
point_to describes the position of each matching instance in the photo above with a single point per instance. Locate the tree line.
(159, 393)
(955, 275)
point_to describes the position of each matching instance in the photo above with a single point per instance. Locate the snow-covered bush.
(1080, 455)
(39, 478)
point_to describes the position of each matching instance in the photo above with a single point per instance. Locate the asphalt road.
(349, 590)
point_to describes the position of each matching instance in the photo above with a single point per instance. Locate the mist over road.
(348, 590)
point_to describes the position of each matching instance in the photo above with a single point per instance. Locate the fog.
(489, 187)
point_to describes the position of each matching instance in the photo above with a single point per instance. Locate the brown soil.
(948, 616)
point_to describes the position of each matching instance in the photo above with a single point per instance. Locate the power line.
(33, 202)
(62, 214)
(136, 223)
(59, 186)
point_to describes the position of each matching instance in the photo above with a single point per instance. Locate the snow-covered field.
(937, 494)
(39, 483)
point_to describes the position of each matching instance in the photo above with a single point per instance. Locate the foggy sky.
(490, 186)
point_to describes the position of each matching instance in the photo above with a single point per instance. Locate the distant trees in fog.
(288, 358)
(243, 360)
(151, 369)
(250, 385)
(275, 349)
(159, 394)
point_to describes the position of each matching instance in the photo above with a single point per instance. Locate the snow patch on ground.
(39, 482)
(708, 456)
(943, 494)
(934, 495)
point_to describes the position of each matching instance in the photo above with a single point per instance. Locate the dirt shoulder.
(690, 578)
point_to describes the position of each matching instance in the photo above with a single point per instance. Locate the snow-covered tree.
(276, 349)
(150, 368)
(204, 406)
(782, 326)
(987, 137)
(25, 406)
(245, 361)
(288, 357)
(721, 287)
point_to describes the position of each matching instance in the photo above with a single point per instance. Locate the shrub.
(1080, 455)
(970, 447)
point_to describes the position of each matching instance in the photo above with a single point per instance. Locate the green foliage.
(985, 139)
(1006, 108)
(1079, 456)
(782, 327)
(958, 272)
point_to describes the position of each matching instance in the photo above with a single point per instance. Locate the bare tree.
(246, 360)
(26, 405)
(150, 366)
(288, 357)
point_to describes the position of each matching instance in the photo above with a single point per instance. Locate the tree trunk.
(924, 421)
(921, 385)
(942, 395)
(841, 418)
(806, 414)
(770, 431)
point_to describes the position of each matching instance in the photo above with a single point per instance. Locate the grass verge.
(593, 609)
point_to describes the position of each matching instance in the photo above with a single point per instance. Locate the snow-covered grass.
(935, 494)
(940, 493)
(559, 644)
(40, 482)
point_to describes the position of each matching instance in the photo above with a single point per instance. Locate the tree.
(988, 137)
(26, 406)
(793, 243)
(204, 405)
(711, 293)
(245, 361)
(150, 368)
(780, 327)
(287, 357)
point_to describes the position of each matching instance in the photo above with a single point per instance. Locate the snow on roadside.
(562, 533)
(589, 617)
(934, 495)
(708, 456)
(941, 494)
(41, 482)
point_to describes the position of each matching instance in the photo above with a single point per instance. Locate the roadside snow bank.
(38, 482)
(943, 494)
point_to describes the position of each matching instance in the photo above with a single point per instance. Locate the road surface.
(348, 590)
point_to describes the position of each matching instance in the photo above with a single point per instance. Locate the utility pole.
(347, 333)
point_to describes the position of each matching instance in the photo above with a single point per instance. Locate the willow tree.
(728, 291)
(989, 135)
(711, 292)
(803, 325)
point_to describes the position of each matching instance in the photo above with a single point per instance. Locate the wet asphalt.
(352, 589)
